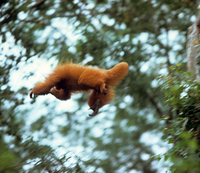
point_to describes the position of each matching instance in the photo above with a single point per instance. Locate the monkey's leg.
(95, 79)
(97, 100)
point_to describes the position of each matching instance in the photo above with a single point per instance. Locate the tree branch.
(154, 103)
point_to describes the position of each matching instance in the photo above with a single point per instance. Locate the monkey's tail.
(116, 74)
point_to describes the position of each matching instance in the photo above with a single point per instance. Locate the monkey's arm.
(60, 94)
(42, 88)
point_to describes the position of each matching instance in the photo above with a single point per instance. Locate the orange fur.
(71, 78)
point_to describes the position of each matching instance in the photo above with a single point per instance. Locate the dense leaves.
(182, 94)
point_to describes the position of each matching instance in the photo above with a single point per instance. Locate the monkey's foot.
(95, 108)
(102, 90)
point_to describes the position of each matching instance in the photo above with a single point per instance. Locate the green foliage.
(183, 132)
(7, 159)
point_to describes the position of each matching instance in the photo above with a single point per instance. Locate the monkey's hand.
(95, 108)
(32, 95)
(41, 88)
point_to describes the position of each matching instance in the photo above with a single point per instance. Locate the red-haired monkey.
(72, 78)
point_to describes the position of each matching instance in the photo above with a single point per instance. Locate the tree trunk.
(193, 48)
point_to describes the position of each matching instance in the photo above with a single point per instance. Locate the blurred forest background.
(153, 124)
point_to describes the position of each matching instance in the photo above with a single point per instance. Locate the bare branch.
(37, 4)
